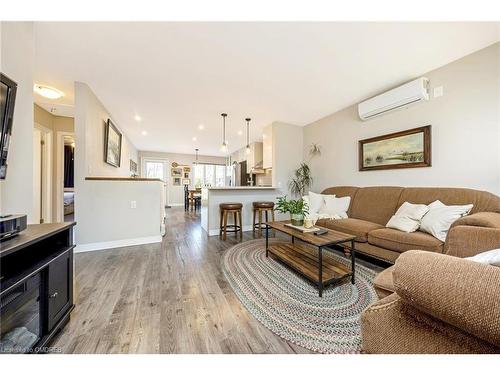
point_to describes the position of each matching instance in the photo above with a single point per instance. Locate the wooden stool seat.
(258, 209)
(235, 209)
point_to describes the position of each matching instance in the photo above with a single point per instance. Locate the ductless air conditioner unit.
(400, 97)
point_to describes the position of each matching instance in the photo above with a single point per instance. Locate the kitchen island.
(246, 195)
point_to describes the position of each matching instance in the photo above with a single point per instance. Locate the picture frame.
(112, 144)
(187, 169)
(176, 172)
(405, 149)
(186, 181)
(176, 181)
(133, 167)
(186, 175)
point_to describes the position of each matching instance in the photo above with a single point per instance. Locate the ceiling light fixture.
(194, 139)
(144, 132)
(224, 143)
(48, 92)
(196, 158)
(201, 126)
(137, 118)
(240, 132)
(248, 135)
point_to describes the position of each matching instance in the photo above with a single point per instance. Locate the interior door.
(37, 175)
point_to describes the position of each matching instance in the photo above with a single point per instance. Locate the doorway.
(69, 178)
(42, 174)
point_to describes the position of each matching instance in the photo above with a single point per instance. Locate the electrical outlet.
(133, 204)
(438, 91)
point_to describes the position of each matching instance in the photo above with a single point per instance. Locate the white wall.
(17, 57)
(287, 153)
(103, 209)
(465, 132)
(176, 193)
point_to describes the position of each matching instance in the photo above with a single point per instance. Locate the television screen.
(8, 90)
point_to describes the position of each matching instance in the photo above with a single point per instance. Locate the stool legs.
(224, 227)
(260, 222)
(238, 223)
(254, 216)
(241, 224)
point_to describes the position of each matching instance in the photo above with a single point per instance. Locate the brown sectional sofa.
(456, 309)
(372, 207)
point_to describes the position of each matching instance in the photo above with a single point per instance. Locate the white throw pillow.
(335, 208)
(491, 257)
(440, 217)
(316, 202)
(407, 217)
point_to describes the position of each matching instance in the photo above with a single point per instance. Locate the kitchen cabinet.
(267, 150)
(254, 158)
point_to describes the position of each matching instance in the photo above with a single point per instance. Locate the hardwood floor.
(163, 298)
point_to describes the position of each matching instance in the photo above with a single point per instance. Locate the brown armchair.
(441, 304)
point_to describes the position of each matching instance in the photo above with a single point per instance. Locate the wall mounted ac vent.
(400, 97)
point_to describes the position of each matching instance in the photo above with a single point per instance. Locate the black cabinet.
(36, 286)
(60, 290)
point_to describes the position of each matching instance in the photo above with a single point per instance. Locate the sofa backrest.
(378, 203)
(482, 200)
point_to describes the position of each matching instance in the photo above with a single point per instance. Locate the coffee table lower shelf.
(304, 260)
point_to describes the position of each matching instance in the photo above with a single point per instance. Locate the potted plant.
(297, 209)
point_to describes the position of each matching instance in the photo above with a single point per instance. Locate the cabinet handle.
(53, 295)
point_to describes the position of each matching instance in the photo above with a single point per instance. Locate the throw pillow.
(407, 217)
(335, 208)
(316, 202)
(440, 217)
(491, 257)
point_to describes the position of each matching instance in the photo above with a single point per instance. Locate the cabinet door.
(60, 290)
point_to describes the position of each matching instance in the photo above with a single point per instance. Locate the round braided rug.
(289, 305)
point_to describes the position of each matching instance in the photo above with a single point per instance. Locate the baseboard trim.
(176, 204)
(215, 232)
(96, 246)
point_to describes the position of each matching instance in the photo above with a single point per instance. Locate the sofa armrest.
(480, 219)
(460, 292)
(466, 240)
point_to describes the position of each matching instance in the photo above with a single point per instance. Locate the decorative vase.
(297, 219)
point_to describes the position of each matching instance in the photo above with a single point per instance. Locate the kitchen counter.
(211, 198)
(242, 188)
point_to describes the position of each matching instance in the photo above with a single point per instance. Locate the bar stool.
(234, 208)
(259, 208)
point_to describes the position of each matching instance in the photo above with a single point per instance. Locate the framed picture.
(112, 144)
(176, 181)
(187, 169)
(186, 181)
(405, 149)
(186, 175)
(177, 172)
(133, 167)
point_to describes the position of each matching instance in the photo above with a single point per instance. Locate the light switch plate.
(133, 204)
(438, 91)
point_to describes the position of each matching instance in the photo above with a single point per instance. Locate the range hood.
(258, 169)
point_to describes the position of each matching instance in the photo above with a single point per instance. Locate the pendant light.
(224, 143)
(196, 158)
(248, 136)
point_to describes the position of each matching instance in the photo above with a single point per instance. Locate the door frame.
(60, 174)
(46, 173)
(166, 164)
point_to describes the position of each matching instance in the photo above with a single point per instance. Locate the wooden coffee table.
(308, 262)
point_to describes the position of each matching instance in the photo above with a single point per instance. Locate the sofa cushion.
(359, 228)
(376, 204)
(383, 283)
(396, 240)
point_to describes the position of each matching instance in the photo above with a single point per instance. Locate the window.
(210, 175)
(154, 169)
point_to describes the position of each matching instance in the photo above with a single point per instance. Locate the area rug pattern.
(289, 305)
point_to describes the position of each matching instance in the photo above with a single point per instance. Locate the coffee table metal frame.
(319, 283)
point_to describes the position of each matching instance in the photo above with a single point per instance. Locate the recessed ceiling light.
(201, 126)
(194, 139)
(240, 132)
(137, 118)
(48, 92)
(144, 132)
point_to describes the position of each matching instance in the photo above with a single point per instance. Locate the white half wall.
(465, 132)
(17, 57)
(104, 209)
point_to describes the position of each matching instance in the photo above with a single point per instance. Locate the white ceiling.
(176, 76)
